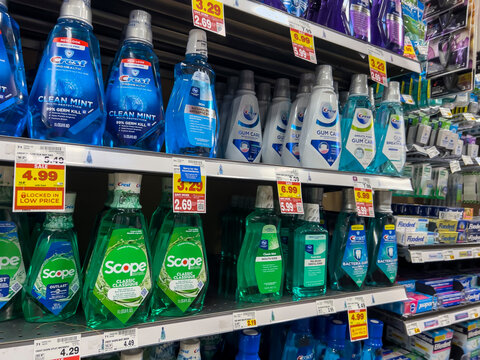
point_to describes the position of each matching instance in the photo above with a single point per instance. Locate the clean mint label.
(183, 274)
(12, 269)
(8, 89)
(387, 259)
(315, 260)
(57, 282)
(355, 257)
(361, 138)
(326, 139)
(268, 262)
(394, 145)
(124, 280)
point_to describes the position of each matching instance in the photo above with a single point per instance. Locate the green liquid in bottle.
(160, 212)
(287, 228)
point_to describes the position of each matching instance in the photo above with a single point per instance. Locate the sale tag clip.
(208, 15)
(302, 40)
(357, 318)
(189, 186)
(289, 192)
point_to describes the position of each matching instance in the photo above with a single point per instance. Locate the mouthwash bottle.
(134, 95)
(260, 264)
(387, 25)
(191, 119)
(67, 101)
(180, 269)
(358, 134)
(299, 343)
(309, 256)
(161, 211)
(224, 116)
(13, 84)
(348, 257)
(390, 133)
(353, 349)
(320, 332)
(314, 195)
(248, 345)
(164, 351)
(372, 348)
(264, 92)
(356, 18)
(189, 350)
(382, 243)
(336, 341)
(134, 354)
(118, 281)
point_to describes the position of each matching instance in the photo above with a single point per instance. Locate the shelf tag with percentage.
(39, 183)
(378, 70)
(363, 199)
(208, 15)
(120, 340)
(189, 186)
(289, 192)
(61, 348)
(357, 318)
(302, 40)
(244, 320)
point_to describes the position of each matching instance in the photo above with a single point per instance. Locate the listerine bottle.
(348, 257)
(336, 341)
(248, 345)
(372, 348)
(260, 265)
(382, 243)
(288, 225)
(161, 211)
(299, 343)
(118, 281)
(53, 287)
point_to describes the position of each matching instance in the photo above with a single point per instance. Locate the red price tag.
(364, 201)
(408, 50)
(357, 319)
(378, 70)
(208, 15)
(302, 41)
(189, 196)
(290, 197)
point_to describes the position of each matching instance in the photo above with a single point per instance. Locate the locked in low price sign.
(189, 186)
(357, 318)
(208, 15)
(289, 192)
(302, 41)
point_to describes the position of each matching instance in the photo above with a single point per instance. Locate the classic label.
(269, 262)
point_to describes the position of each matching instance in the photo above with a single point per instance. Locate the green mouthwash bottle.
(180, 267)
(310, 243)
(161, 212)
(314, 195)
(288, 224)
(382, 243)
(118, 282)
(260, 264)
(348, 257)
(53, 287)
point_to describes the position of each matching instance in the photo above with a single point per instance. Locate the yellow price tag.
(301, 38)
(357, 321)
(289, 190)
(210, 7)
(30, 176)
(362, 195)
(378, 70)
(251, 322)
(208, 15)
(186, 187)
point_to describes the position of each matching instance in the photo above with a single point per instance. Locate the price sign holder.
(60, 348)
(244, 320)
(189, 186)
(378, 70)
(289, 192)
(208, 15)
(39, 182)
(120, 340)
(357, 318)
(302, 40)
(363, 198)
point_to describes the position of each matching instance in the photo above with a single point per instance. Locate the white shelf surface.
(440, 252)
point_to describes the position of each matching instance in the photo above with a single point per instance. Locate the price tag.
(120, 340)
(413, 329)
(245, 319)
(444, 320)
(416, 257)
(61, 348)
(476, 253)
(378, 70)
(469, 117)
(208, 15)
(446, 112)
(189, 186)
(407, 99)
(408, 50)
(473, 313)
(357, 318)
(364, 199)
(325, 307)
(432, 152)
(455, 166)
(302, 40)
(467, 160)
(477, 159)
(467, 213)
(448, 255)
(289, 192)
(419, 149)
(39, 178)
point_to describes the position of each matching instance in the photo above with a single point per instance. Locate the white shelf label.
(432, 152)
(444, 320)
(413, 329)
(416, 257)
(420, 149)
(325, 307)
(476, 253)
(408, 99)
(473, 313)
(477, 159)
(244, 320)
(455, 166)
(448, 255)
(467, 160)
(446, 112)
(61, 348)
(120, 340)
(356, 303)
(469, 117)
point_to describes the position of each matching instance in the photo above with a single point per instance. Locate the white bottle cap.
(167, 184)
(188, 348)
(135, 354)
(324, 76)
(264, 92)
(197, 42)
(70, 202)
(76, 9)
(282, 88)
(128, 182)
(232, 84)
(264, 198)
(359, 85)
(306, 83)
(392, 92)
(312, 212)
(139, 27)
(6, 175)
(111, 182)
(247, 80)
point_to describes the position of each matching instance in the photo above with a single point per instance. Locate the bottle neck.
(125, 200)
(195, 57)
(166, 198)
(71, 21)
(137, 42)
(58, 221)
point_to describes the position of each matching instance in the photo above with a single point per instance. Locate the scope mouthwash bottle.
(53, 287)
(67, 101)
(260, 264)
(118, 281)
(161, 211)
(348, 257)
(191, 125)
(134, 94)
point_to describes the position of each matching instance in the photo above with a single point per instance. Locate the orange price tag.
(364, 199)
(302, 41)
(378, 70)
(408, 50)
(189, 186)
(468, 213)
(357, 318)
(208, 15)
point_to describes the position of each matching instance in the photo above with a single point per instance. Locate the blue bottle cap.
(375, 332)
(249, 342)
(301, 325)
(336, 333)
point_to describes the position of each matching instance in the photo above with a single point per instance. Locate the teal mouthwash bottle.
(161, 211)
(260, 265)
(53, 287)
(118, 281)
(382, 243)
(348, 257)
(288, 224)
(180, 269)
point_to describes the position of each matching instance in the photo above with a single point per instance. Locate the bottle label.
(355, 257)
(361, 139)
(134, 102)
(268, 262)
(248, 138)
(395, 22)
(360, 17)
(279, 133)
(12, 268)
(387, 259)
(326, 139)
(124, 280)
(394, 145)
(57, 282)
(315, 260)
(296, 7)
(294, 134)
(8, 88)
(183, 274)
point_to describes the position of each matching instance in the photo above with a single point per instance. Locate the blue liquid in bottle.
(372, 349)
(336, 341)
(67, 99)
(299, 343)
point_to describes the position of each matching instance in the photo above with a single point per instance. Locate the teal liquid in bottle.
(348, 257)
(53, 287)
(287, 228)
(161, 211)
(336, 341)
(260, 265)
(372, 349)
(382, 243)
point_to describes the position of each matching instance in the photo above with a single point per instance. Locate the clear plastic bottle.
(372, 348)
(248, 345)
(356, 18)
(299, 343)
(161, 211)
(336, 341)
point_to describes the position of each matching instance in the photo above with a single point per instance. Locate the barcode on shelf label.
(325, 307)
(120, 340)
(61, 348)
(413, 329)
(356, 303)
(244, 319)
(467, 160)
(444, 320)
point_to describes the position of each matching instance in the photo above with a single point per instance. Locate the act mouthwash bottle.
(348, 257)
(53, 287)
(118, 281)
(180, 269)
(260, 264)
(161, 212)
(382, 243)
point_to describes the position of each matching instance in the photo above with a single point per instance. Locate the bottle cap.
(383, 201)
(189, 347)
(324, 76)
(264, 92)
(371, 95)
(282, 88)
(359, 85)
(76, 9)
(314, 195)
(135, 354)
(312, 212)
(6, 175)
(301, 325)
(197, 42)
(139, 27)
(220, 90)
(70, 202)
(375, 332)
(128, 182)
(392, 92)
(349, 200)
(232, 84)
(247, 81)
(249, 342)
(264, 198)
(306, 83)
(336, 333)
(111, 181)
(167, 184)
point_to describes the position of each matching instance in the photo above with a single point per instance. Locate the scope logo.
(184, 260)
(58, 269)
(11, 257)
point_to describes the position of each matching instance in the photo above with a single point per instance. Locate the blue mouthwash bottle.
(299, 343)
(13, 84)
(320, 331)
(248, 345)
(336, 341)
(134, 95)
(67, 101)
(353, 349)
(372, 349)
(191, 119)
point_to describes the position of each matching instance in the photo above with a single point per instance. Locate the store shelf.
(440, 252)
(17, 337)
(144, 161)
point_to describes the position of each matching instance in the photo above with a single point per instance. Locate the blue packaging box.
(450, 298)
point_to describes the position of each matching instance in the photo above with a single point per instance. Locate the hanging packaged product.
(387, 25)
(356, 18)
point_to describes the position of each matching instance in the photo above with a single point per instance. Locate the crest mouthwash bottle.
(118, 281)
(260, 264)
(189, 350)
(348, 257)
(161, 211)
(13, 84)
(134, 95)
(180, 269)
(53, 287)
(191, 123)
(382, 243)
